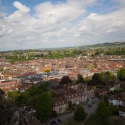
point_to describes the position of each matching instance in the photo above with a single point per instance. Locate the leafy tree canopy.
(47, 70)
(80, 79)
(79, 113)
(103, 111)
(43, 106)
(121, 74)
(65, 80)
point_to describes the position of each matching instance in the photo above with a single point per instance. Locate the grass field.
(92, 121)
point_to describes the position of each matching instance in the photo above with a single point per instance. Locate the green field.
(103, 45)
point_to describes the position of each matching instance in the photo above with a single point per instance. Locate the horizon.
(60, 23)
(72, 47)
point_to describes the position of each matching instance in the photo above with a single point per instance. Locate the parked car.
(54, 122)
(59, 120)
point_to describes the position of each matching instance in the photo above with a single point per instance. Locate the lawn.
(72, 122)
(92, 121)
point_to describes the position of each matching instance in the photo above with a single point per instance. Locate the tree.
(43, 106)
(70, 105)
(13, 95)
(65, 80)
(42, 87)
(33, 90)
(113, 109)
(80, 79)
(1, 69)
(103, 112)
(97, 77)
(79, 113)
(106, 76)
(105, 99)
(121, 74)
(47, 70)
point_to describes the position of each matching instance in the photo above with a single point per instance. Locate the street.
(64, 118)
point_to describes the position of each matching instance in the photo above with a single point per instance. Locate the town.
(74, 80)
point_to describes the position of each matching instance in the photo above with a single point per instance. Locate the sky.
(31, 24)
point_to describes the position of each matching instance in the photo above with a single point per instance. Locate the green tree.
(80, 79)
(42, 87)
(47, 70)
(43, 106)
(33, 90)
(105, 99)
(79, 113)
(13, 95)
(113, 109)
(103, 112)
(97, 77)
(70, 105)
(121, 74)
(1, 69)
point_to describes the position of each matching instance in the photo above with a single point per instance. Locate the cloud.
(121, 2)
(21, 8)
(61, 12)
(60, 24)
(0, 1)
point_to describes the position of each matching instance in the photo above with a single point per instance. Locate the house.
(77, 97)
(122, 111)
(102, 91)
(9, 85)
(112, 85)
(122, 85)
(90, 92)
(60, 105)
(118, 99)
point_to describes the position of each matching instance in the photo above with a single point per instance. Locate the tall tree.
(103, 112)
(79, 113)
(43, 106)
(65, 80)
(80, 79)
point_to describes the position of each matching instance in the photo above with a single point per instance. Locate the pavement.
(66, 117)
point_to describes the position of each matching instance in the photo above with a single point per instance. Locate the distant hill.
(103, 45)
(99, 45)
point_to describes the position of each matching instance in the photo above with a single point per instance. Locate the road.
(66, 117)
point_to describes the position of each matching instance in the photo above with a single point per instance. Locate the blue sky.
(29, 24)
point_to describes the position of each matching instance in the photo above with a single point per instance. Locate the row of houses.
(118, 100)
(73, 92)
